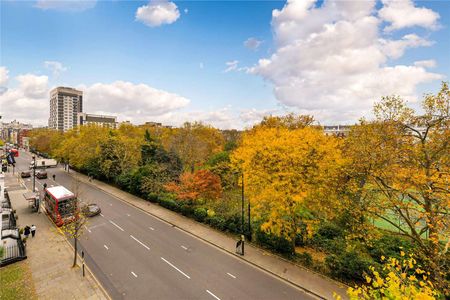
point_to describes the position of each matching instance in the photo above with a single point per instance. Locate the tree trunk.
(75, 253)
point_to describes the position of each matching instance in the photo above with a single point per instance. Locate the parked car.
(25, 174)
(41, 174)
(91, 210)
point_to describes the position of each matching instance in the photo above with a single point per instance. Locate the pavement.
(311, 282)
(50, 256)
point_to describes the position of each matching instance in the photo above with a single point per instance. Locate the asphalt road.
(137, 256)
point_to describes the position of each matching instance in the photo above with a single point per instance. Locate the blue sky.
(182, 58)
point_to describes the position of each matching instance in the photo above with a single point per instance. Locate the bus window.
(66, 207)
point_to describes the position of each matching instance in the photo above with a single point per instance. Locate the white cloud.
(65, 5)
(134, 102)
(333, 60)
(431, 63)
(231, 66)
(55, 66)
(396, 48)
(402, 14)
(252, 43)
(28, 101)
(157, 13)
(3, 76)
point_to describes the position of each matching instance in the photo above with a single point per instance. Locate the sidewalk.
(50, 256)
(310, 281)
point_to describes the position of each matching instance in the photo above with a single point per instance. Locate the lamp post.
(34, 173)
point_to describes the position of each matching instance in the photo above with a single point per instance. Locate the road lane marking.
(110, 204)
(231, 275)
(134, 274)
(106, 247)
(116, 225)
(184, 247)
(170, 264)
(212, 295)
(151, 228)
(87, 228)
(102, 215)
(144, 245)
(128, 215)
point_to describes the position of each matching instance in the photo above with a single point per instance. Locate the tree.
(286, 171)
(45, 140)
(289, 121)
(199, 185)
(402, 165)
(81, 145)
(398, 279)
(194, 143)
(75, 228)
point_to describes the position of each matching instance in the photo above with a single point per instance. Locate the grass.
(16, 282)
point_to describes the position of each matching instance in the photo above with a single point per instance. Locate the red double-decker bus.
(60, 204)
(15, 152)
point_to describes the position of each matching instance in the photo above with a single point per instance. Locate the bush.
(275, 243)
(330, 231)
(233, 224)
(152, 197)
(305, 259)
(349, 266)
(329, 238)
(186, 210)
(200, 213)
(168, 203)
(389, 246)
(216, 222)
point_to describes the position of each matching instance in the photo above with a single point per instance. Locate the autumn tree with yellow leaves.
(398, 279)
(285, 171)
(399, 172)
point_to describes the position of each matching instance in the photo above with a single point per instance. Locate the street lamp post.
(34, 173)
(242, 215)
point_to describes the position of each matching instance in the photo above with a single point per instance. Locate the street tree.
(285, 172)
(194, 143)
(401, 169)
(75, 228)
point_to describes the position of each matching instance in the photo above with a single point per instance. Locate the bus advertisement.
(60, 204)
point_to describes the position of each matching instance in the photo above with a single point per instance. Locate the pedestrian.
(26, 231)
(33, 230)
(54, 177)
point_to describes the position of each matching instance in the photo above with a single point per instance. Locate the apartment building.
(65, 104)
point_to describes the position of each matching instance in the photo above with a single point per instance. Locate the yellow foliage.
(286, 171)
(395, 285)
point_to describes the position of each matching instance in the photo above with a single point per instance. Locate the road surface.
(137, 256)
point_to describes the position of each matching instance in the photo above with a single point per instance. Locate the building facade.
(65, 104)
(100, 120)
(14, 131)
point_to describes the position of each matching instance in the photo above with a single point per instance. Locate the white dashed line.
(231, 275)
(170, 264)
(184, 247)
(102, 215)
(212, 295)
(116, 225)
(128, 215)
(151, 228)
(106, 247)
(134, 274)
(87, 228)
(144, 245)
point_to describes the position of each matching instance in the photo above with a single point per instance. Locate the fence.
(12, 253)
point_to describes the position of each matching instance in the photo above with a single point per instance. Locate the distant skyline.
(224, 63)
